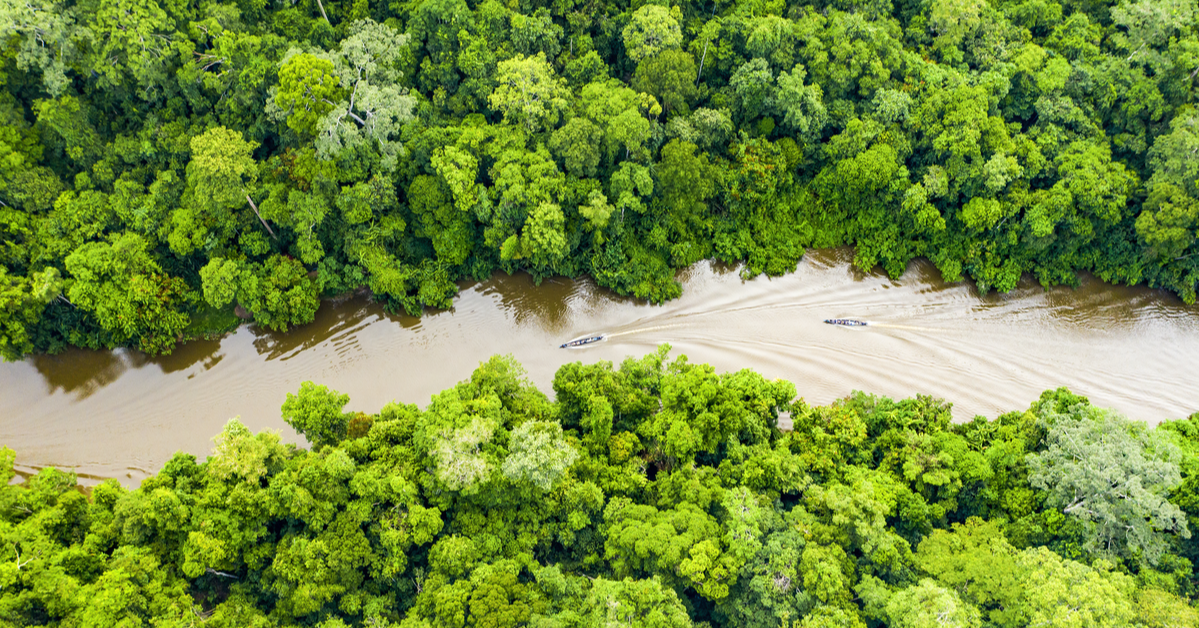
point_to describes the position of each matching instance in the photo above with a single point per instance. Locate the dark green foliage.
(656, 493)
(316, 147)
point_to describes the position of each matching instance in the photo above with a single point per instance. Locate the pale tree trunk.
(322, 7)
(255, 208)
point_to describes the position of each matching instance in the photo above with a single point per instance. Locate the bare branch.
(255, 208)
(221, 574)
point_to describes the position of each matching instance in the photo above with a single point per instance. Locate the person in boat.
(848, 322)
(580, 342)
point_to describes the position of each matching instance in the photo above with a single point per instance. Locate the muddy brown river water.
(120, 414)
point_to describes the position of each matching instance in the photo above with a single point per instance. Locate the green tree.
(651, 30)
(527, 93)
(927, 605)
(318, 413)
(121, 285)
(308, 91)
(1059, 592)
(1112, 474)
(351, 98)
(278, 291)
(538, 453)
(801, 106)
(132, 39)
(22, 300)
(218, 174)
(578, 144)
(1168, 222)
(49, 39)
(670, 77)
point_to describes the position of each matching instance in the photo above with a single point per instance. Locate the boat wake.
(590, 339)
(908, 327)
(642, 330)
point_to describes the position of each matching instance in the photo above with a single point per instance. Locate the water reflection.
(206, 353)
(80, 372)
(546, 306)
(333, 318)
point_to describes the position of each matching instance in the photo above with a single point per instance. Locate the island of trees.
(656, 494)
(163, 161)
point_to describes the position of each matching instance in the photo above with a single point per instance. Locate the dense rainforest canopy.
(655, 494)
(164, 160)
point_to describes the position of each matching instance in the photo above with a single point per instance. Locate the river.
(121, 414)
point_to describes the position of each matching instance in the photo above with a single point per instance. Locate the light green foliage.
(129, 294)
(634, 603)
(538, 453)
(1149, 27)
(459, 169)
(772, 38)
(651, 30)
(308, 91)
(976, 560)
(927, 605)
(543, 240)
(676, 544)
(74, 220)
(980, 213)
(707, 128)
(238, 454)
(460, 464)
(597, 211)
(1114, 475)
(277, 292)
(577, 144)
(1169, 222)
(22, 300)
(1156, 608)
(375, 106)
(221, 280)
(952, 20)
(801, 106)
(528, 94)
(754, 90)
(442, 221)
(67, 118)
(350, 98)
(630, 185)
(1060, 592)
(303, 213)
(317, 413)
(49, 39)
(133, 39)
(220, 169)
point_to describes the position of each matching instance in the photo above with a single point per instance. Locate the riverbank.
(657, 486)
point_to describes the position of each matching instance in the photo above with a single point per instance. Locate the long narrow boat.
(846, 322)
(579, 342)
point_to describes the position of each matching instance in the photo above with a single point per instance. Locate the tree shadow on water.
(336, 321)
(81, 372)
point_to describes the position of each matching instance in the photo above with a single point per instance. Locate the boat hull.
(581, 342)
